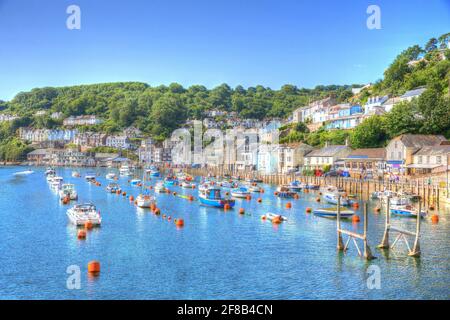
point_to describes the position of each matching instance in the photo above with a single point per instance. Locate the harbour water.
(216, 255)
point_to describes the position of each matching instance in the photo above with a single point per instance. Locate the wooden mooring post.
(353, 236)
(402, 233)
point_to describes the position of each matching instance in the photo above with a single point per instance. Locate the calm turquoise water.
(216, 255)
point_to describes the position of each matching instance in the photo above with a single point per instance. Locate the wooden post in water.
(367, 252)
(416, 249)
(385, 242)
(340, 243)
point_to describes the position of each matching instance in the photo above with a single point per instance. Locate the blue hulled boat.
(406, 211)
(212, 197)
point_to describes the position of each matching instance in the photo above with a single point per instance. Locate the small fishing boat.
(68, 191)
(272, 216)
(135, 182)
(160, 188)
(187, 185)
(332, 198)
(111, 176)
(295, 186)
(23, 173)
(144, 201)
(241, 192)
(212, 197)
(90, 176)
(50, 171)
(125, 170)
(56, 182)
(406, 211)
(170, 181)
(112, 187)
(76, 174)
(284, 192)
(332, 212)
(82, 213)
(254, 188)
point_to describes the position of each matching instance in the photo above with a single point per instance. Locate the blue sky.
(209, 42)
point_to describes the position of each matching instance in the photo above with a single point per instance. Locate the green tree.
(370, 133)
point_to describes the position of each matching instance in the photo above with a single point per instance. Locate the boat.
(254, 188)
(241, 192)
(170, 181)
(407, 211)
(332, 212)
(332, 198)
(212, 197)
(111, 176)
(76, 174)
(90, 176)
(160, 188)
(332, 189)
(112, 187)
(228, 184)
(188, 185)
(272, 216)
(125, 170)
(153, 172)
(311, 186)
(295, 186)
(23, 173)
(50, 171)
(82, 213)
(135, 182)
(284, 192)
(383, 194)
(50, 177)
(144, 201)
(68, 191)
(56, 182)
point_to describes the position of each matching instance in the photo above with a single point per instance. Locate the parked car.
(332, 173)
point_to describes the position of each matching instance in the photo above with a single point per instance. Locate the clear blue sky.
(248, 42)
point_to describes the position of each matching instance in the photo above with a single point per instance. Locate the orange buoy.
(320, 193)
(434, 218)
(288, 205)
(118, 192)
(131, 198)
(124, 193)
(157, 211)
(174, 193)
(263, 217)
(355, 218)
(163, 216)
(193, 186)
(88, 225)
(259, 200)
(377, 209)
(261, 190)
(227, 193)
(179, 222)
(431, 207)
(226, 206)
(275, 193)
(296, 196)
(318, 199)
(241, 211)
(151, 187)
(152, 206)
(191, 198)
(308, 210)
(94, 267)
(249, 197)
(81, 235)
(355, 205)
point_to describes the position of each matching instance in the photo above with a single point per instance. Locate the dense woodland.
(157, 111)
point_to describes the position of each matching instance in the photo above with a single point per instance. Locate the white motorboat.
(113, 188)
(50, 171)
(188, 185)
(50, 177)
(407, 211)
(56, 182)
(82, 213)
(136, 182)
(23, 173)
(333, 211)
(144, 201)
(275, 217)
(90, 176)
(125, 170)
(68, 191)
(160, 188)
(241, 192)
(76, 174)
(332, 197)
(111, 176)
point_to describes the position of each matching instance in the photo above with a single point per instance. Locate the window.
(392, 155)
(399, 155)
(438, 159)
(419, 160)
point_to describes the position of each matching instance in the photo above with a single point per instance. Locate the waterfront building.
(400, 150)
(145, 151)
(344, 116)
(38, 156)
(314, 112)
(430, 159)
(291, 157)
(366, 162)
(326, 156)
(267, 159)
(7, 117)
(374, 103)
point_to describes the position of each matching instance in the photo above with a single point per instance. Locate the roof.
(433, 150)
(368, 153)
(329, 151)
(393, 100)
(420, 140)
(38, 152)
(413, 93)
